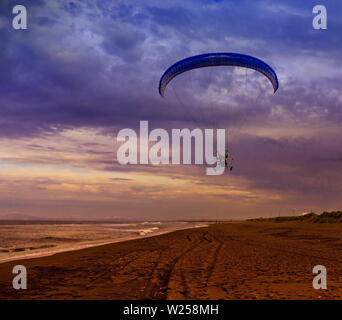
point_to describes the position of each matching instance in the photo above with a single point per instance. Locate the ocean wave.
(146, 231)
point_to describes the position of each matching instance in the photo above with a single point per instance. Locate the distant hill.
(325, 217)
(19, 216)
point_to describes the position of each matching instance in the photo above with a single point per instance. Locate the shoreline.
(91, 245)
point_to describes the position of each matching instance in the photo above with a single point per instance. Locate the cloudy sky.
(83, 70)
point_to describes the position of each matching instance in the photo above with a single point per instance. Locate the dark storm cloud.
(122, 41)
(51, 77)
(309, 166)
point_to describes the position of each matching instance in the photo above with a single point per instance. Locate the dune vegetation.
(324, 217)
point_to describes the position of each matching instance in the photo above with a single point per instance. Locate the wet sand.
(245, 260)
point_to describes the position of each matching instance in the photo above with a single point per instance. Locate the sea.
(30, 239)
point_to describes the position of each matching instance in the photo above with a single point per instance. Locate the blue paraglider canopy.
(214, 60)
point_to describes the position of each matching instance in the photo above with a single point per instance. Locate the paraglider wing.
(217, 59)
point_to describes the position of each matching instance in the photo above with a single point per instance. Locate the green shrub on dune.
(329, 217)
(325, 217)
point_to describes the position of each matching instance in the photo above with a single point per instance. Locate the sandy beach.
(242, 260)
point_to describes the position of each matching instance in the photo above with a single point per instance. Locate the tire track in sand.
(159, 283)
(185, 288)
